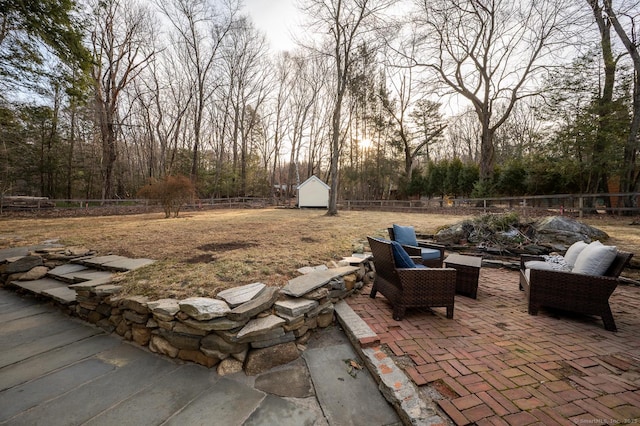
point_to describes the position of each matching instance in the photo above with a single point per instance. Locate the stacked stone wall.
(252, 327)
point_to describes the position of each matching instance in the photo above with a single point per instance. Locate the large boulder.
(561, 231)
(454, 234)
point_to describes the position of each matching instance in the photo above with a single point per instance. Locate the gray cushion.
(572, 253)
(595, 259)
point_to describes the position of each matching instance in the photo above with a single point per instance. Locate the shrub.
(172, 193)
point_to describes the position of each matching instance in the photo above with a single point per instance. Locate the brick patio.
(495, 364)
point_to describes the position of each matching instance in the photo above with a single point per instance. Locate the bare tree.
(304, 87)
(200, 30)
(120, 34)
(246, 70)
(418, 122)
(522, 131)
(348, 22)
(491, 53)
(630, 179)
(605, 107)
(462, 136)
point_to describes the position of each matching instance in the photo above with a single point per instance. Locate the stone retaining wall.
(252, 327)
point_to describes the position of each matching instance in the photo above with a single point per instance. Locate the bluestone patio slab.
(229, 402)
(36, 366)
(9, 313)
(37, 286)
(32, 328)
(45, 344)
(161, 401)
(337, 390)
(278, 411)
(136, 371)
(30, 394)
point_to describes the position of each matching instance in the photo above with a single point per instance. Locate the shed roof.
(313, 178)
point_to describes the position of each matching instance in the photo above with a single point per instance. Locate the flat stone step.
(304, 284)
(91, 275)
(98, 261)
(114, 262)
(91, 284)
(38, 286)
(66, 272)
(356, 259)
(64, 295)
(84, 274)
(23, 251)
(9, 253)
(127, 264)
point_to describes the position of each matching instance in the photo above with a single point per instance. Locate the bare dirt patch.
(232, 245)
(202, 253)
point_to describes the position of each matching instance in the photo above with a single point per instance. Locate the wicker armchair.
(410, 287)
(568, 291)
(416, 251)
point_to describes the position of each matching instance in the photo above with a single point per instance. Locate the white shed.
(313, 192)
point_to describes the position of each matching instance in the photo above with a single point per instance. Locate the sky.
(276, 18)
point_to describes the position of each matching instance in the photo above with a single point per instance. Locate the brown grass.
(201, 253)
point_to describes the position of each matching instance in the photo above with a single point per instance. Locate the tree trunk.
(335, 154)
(597, 174)
(629, 178)
(487, 150)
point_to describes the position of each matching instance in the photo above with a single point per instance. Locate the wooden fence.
(563, 204)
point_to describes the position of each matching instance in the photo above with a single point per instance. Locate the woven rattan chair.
(416, 251)
(410, 287)
(568, 291)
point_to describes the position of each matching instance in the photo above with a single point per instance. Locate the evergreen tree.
(27, 26)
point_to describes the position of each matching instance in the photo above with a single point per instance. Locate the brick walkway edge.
(494, 364)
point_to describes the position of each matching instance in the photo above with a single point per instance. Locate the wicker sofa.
(570, 291)
(410, 287)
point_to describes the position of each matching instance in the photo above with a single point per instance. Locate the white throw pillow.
(572, 253)
(595, 259)
(548, 266)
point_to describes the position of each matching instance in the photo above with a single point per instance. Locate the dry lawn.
(201, 253)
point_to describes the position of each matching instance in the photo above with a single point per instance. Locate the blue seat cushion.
(405, 235)
(429, 254)
(401, 257)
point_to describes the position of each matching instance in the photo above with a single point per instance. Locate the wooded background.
(381, 100)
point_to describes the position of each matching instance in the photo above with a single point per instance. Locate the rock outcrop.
(504, 234)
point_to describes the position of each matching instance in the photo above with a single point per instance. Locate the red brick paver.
(501, 365)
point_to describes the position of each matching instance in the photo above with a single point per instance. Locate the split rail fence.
(563, 204)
